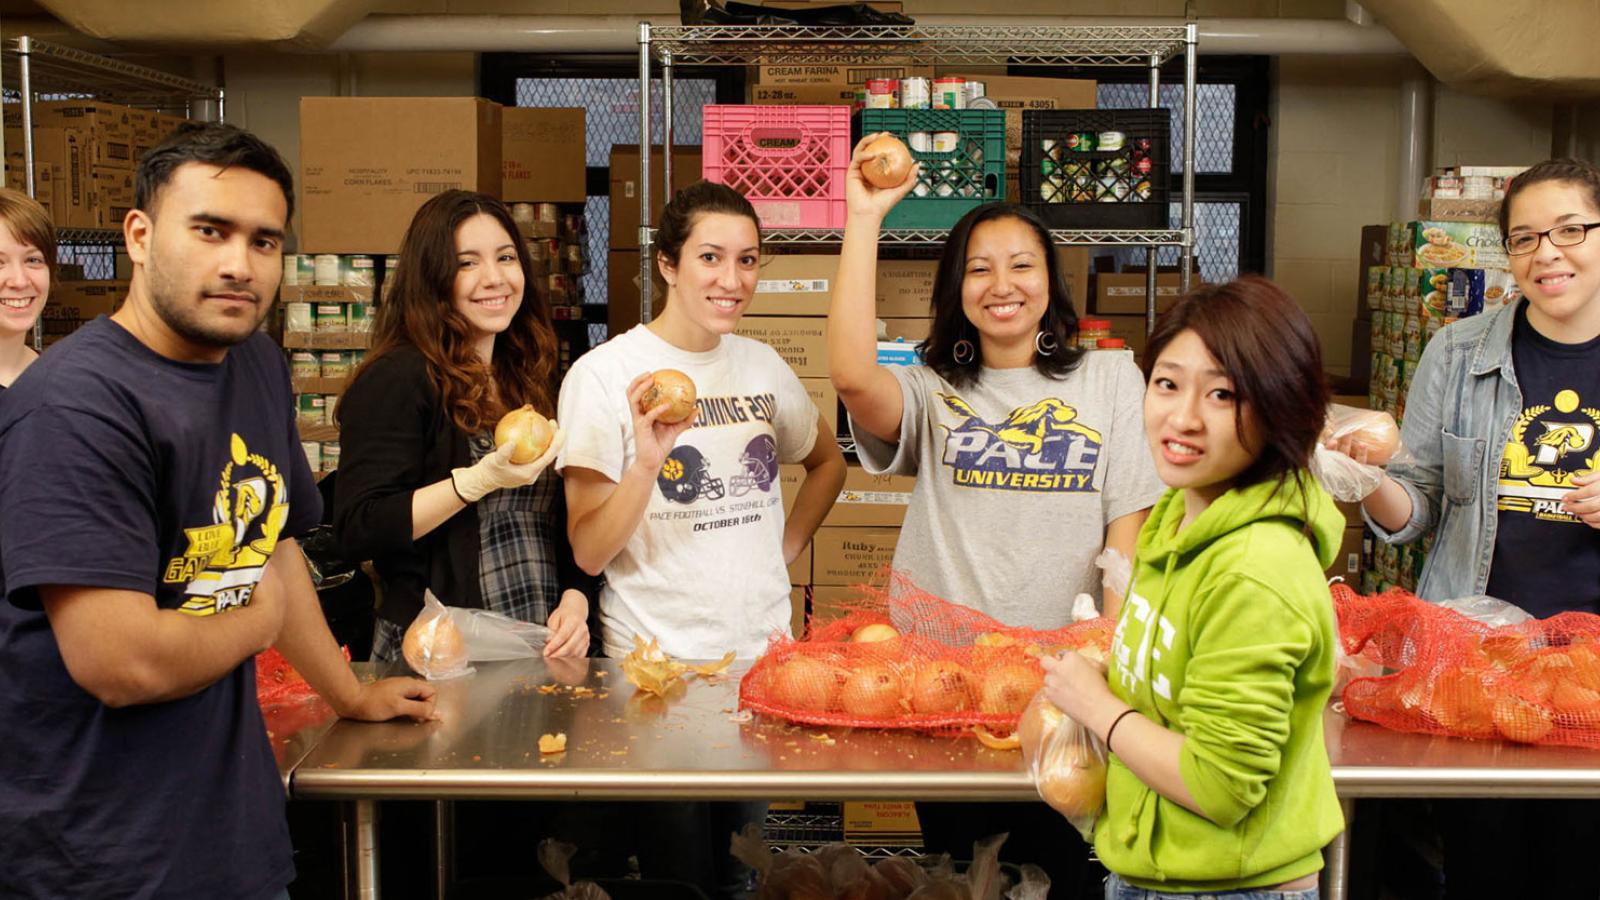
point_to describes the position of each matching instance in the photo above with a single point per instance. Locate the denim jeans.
(1117, 889)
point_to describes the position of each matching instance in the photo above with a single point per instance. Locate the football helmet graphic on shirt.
(758, 467)
(686, 477)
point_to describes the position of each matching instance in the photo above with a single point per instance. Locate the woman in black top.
(461, 338)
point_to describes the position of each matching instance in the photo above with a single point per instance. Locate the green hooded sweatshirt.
(1227, 636)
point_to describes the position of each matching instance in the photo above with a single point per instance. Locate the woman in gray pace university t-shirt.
(1030, 456)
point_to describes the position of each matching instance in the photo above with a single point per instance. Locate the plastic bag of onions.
(434, 646)
(1067, 762)
(1366, 441)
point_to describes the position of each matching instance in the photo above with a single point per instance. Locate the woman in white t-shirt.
(1030, 455)
(687, 520)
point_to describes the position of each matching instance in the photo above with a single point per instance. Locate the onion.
(1008, 688)
(873, 691)
(941, 686)
(803, 683)
(433, 646)
(891, 165)
(673, 388)
(1380, 436)
(874, 633)
(529, 431)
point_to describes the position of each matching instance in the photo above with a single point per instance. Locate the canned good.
(1109, 140)
(326, 269)
(297, 317)
(1053, 191)
(330, 455)
(1074, 168)
(1080, 141)
(1120, 189)
(560, 287)
(304, 364)
(1142, 144)
(330, 317)
(946, 141)
(1090, 331)
(312, 409)
(361, 315)
(357, 357)
(573, 257)
(860, 101)
(358, 271)
(313, 452)
(920, 141)
(915, 93)
(949, 93)
(298, 268)
(335, 364)
(1142, 165)
(972, 90)
(1141, 190)
(522, 214)
(571, 225)
(391, 264)
(881, 93)
(548, 214)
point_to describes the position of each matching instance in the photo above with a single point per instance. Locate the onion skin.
(892, 164)
(530, 432)
(673, 388)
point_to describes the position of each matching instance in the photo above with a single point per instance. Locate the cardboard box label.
(852, 555)
(802, 342)
(543, 155)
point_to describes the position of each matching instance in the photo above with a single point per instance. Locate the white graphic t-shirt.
(704, 573)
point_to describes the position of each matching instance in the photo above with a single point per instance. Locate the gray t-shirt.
(1017, 477)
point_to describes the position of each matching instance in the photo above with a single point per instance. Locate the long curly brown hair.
(419, 311)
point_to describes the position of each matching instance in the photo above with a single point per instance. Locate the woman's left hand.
(1077, 685)
(1585, 501)
(569, 626)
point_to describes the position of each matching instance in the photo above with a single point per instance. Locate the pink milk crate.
(789, 161)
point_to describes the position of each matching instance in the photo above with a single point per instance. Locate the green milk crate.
(953, 181)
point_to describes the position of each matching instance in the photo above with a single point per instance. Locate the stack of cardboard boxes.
(84, 154)
(622, 262)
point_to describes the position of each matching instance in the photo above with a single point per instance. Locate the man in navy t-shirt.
(153, 486)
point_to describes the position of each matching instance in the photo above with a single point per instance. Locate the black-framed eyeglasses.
(1525, 242)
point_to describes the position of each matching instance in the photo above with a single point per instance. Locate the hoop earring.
(963, 352)
(1044, 343)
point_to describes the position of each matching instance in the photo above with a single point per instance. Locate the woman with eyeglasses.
(1503, 419)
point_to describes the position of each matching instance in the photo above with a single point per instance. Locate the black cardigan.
(396, 437)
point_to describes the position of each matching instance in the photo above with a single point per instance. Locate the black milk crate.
(1070, 187)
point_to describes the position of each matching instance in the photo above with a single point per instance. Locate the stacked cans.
(1095, 167)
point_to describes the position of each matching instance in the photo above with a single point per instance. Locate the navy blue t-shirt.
(122, 469)
(1546, 560)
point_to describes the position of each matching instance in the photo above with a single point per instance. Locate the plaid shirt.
(515, 575)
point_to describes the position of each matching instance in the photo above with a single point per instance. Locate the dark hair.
(418, 310)
(215, 144)
(950, 322)
(685, 209)
(30, 224)
(1271, 353)
(1578, 172)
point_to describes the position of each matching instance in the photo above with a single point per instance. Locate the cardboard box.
(832, 601)
(65, 153)
(1348, 563)
(325, 293)
(801, 94)
(867, 499)
(109, 120)
(802, 342)
(622, 291)
(74, 304)
(797, 618)
(364, 173)
(905, 287)
(1123, 293)
(112, 195)
(856, 555)
(1448, 210)
(795, 285)
(1131, 330)
(686, 170)
(543, 155)
(827, 400)
(911, 331)
(838, 74)
(789, 477)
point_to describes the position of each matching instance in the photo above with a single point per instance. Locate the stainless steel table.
(697, 745)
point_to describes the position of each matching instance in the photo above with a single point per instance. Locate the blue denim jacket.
(1463, 401)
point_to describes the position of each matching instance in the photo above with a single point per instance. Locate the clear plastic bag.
(1487, 610)
(1115, 573)
(434, 646)
(1067, 763)
(1372, 431)
(491, 636)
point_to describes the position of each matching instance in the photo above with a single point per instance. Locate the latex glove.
(496, 471)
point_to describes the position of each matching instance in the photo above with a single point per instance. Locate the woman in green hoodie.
(1223, 658)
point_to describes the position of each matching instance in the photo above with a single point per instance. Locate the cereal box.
(1451, 245)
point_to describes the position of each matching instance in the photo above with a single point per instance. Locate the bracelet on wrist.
(1114, 723)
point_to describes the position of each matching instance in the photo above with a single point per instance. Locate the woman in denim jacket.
(1503, 420)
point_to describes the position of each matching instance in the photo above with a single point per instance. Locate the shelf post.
(1191, 35)
(1150, 253)
(645, 289)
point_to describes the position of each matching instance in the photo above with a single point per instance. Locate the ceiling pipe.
(620, 34)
